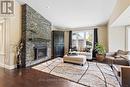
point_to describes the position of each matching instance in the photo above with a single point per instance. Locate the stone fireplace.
(36, 36)
(37, 52)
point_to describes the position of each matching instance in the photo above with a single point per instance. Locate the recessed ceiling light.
(47, 6)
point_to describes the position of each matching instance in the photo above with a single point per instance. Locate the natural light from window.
(82, 40)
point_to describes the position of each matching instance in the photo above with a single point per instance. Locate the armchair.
(125, 76)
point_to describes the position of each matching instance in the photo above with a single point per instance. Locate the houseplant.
(101, 51)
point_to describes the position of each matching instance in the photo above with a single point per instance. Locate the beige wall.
(66, 42)
(121, 5)
(102, 36)
(15, 33)
(116, 38)
(12, 37)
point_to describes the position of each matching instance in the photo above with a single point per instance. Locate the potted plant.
(100, 52)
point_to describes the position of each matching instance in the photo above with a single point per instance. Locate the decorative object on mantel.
(100, 52)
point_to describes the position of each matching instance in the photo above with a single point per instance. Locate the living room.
(65, 44)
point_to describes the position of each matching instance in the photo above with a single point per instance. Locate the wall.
(116, 38)
(103, 36)
(15, 33)
(12, 37)
(121, 5)
(66, 42)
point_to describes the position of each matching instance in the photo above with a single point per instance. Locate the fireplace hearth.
(40, 51)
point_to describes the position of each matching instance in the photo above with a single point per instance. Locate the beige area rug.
(92, 74)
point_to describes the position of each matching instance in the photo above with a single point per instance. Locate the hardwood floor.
(32, 78)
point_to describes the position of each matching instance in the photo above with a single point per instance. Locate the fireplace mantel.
(39, 40)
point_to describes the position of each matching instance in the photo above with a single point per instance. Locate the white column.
(129, 38)
(84, 39)
(77, 42)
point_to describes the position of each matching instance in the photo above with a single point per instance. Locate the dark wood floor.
(32, 78)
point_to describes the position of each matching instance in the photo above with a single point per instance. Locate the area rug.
(92, 74)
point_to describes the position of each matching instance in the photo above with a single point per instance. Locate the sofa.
(120, 61)
(119, 57)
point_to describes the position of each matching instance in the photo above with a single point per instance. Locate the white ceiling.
(74, 13)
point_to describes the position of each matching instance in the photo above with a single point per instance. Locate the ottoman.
(76, 59)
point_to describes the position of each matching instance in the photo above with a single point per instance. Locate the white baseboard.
(7, 66)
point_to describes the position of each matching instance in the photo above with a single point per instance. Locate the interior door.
(58, 44)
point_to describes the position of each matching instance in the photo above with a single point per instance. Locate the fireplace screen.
(40, 51)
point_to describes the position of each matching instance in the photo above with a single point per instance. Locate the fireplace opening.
(40, 51)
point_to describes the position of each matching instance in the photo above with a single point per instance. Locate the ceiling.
(74, 13)
(123, 19)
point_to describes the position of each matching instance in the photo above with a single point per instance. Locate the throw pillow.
(72, 53)
(122, 52)
(117, 56)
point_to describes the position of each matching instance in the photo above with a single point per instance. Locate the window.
(82, 40)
